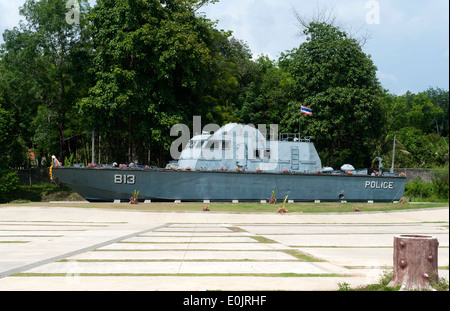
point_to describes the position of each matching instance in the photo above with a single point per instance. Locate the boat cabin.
(243, 147)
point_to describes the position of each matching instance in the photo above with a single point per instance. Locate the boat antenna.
(393, 154)
(300, 126)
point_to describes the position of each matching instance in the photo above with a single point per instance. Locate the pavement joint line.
(185, 252)
(70, 254)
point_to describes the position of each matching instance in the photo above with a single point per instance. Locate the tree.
(416, 111)
(38, 69)
(231, 57)
(152, 65)
(440, 99)
(267, 95)
(6, 134)
(237, 74)
(420, 122)
(8, 179)
(337, 80)
(19, 83)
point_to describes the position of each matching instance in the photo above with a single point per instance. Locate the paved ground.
(60, 248)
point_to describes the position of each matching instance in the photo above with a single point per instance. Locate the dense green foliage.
(9, 181)
(334, 77)
(420, 122)
(436, 191)
(132, 69)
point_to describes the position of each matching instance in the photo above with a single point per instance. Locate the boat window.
(225, 145)
(262, 154)
(215, 145)
(193, 144)
(211, 145)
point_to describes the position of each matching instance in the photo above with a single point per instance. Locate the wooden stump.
(415, 262)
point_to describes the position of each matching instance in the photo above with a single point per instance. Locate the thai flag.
(306, 110)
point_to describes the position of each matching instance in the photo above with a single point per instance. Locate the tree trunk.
(415, 262)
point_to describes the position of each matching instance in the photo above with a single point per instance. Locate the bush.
(438, 190)
(419, 189)
(9, 182)
(441, 183)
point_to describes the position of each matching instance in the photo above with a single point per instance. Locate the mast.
(93, 146)
(393, 155)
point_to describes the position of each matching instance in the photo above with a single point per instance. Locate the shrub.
(9, 182)
(441, 183)
(419, 189)
(438, 190)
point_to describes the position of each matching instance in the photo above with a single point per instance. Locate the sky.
(408, 40)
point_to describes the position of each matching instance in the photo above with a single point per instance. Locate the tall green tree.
(6, 135)
(419, 121)
(20, 78)
(8, 179)
(268, 95)
(235, 72)
(38, 74)
(416, 110)
(440, 99)
(152, 64)
(337, 80)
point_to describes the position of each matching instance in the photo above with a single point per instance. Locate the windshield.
(194, 144)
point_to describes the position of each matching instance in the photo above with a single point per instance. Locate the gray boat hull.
(109, 184)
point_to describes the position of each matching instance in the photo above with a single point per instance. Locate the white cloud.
(9, 15)
(413, 19)
(268, 26)
(409, 46)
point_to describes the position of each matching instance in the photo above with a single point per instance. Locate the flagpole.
(300, 127)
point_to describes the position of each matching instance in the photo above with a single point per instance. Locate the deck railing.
(294, 137)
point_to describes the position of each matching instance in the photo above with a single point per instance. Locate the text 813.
(125, 179)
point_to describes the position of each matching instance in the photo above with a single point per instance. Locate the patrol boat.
(237, 163)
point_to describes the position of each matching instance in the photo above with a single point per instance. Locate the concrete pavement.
(62, 248)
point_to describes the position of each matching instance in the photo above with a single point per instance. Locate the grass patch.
(40, 194)
(282, 275)
(44, 192)
(383, 285)
(177, 260)
(301, 256)
(189, 243)
(294, 208)
(236, 229)
(14, 242)
(263, 240)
